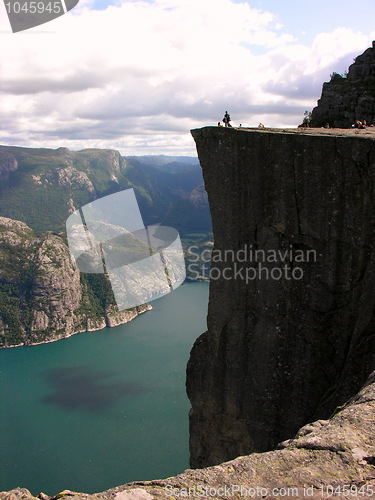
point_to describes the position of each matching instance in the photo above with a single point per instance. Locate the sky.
(137, 75)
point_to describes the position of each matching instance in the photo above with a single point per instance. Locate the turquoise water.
(104, 408)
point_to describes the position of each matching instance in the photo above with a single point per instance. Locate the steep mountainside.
(346, 99)
(171, 164)
(190, 215)
(42, 296)
(291, 323)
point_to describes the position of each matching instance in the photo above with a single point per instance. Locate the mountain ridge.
(43, 186)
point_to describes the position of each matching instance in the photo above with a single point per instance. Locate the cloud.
(140, 74)
(302, 70)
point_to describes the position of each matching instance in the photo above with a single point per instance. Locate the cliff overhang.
(280, 354)
(283, 350)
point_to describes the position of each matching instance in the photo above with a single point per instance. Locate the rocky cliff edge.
(291, 318)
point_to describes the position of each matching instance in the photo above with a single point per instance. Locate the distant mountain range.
(42, 296)
(169, 164)
(41, 187)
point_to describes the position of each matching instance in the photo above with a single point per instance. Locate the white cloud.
(141, 74)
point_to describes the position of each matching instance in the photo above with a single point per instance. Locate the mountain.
(163, 187)
(190, 215)
(165, 163)
(43, 297)
(41, 187)
(277, 351)
(280, 353)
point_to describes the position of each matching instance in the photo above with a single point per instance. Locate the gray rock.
(345, 100)
(280, 353)
(8, 164)
(198, 197)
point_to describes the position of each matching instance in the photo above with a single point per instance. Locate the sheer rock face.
(56, 289)
(8, 164)
(114, 317)
(346, 100)
(280, 353)
(40, 289)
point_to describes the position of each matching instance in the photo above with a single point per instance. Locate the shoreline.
(108, 324)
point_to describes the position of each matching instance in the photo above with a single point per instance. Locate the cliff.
(291, 310)
(346, 99)
(281, 353)
(42, 295)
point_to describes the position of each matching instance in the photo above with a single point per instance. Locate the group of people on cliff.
(306, 122)
(360, 124)
(227, 119)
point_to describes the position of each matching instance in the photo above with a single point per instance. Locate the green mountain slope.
(43, 297)
(43, 186)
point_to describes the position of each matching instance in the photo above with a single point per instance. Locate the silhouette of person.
(226, 119)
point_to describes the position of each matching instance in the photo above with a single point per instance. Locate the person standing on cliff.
(227, 120)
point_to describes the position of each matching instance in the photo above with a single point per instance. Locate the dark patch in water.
(82, 388)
